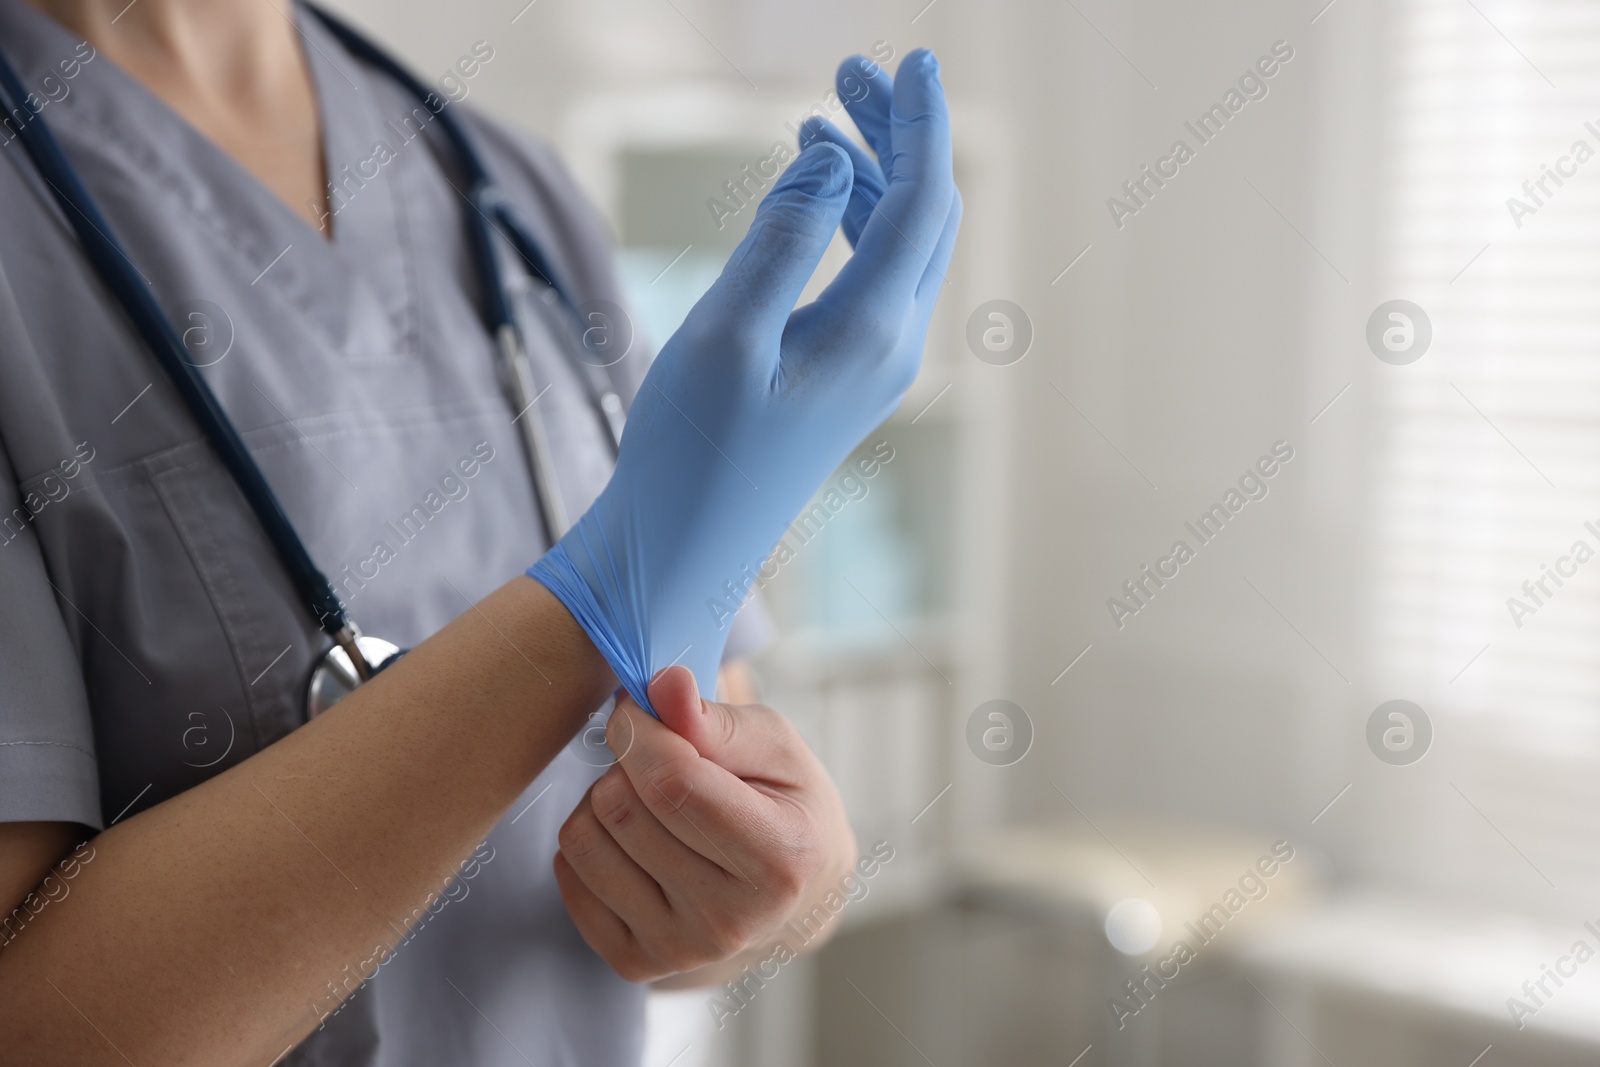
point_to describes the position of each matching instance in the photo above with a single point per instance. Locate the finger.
(867, 90)
(606, 867)
(809, 319)
(869, 181)
(898, 242)
(793, 225)
(744, 831)
(934, 278)
(637, 849)
(752, 742)
(601, 928)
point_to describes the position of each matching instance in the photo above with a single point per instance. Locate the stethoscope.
(354, 657)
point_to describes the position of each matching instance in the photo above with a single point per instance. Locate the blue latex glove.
(753, 403)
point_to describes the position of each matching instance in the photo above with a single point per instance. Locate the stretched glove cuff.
(626, 650)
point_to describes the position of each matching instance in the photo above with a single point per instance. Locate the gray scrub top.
(149, 637)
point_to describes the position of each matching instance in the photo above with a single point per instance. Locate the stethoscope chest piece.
(335, 677)
(354, 657)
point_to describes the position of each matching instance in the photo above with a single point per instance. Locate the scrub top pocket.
(179, 615)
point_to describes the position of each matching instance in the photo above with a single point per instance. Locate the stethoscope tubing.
(131, 290)
(486, 213)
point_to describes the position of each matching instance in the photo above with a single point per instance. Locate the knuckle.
(612, 800)
(926, 116)
(578, 837)
(791, 867)
(743, 333)
(788, 876)
(725, 935)
(679, 957)
(877, 334)
(668, 786)
(632, 965)
(720, 327)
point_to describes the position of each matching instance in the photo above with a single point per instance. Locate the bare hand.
(715, 826)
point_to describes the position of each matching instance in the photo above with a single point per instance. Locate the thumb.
(705, 724)
(749, 741)
(769, 270)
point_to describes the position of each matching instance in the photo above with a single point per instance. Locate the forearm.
(207, 929)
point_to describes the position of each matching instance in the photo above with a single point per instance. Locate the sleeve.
(47, 761)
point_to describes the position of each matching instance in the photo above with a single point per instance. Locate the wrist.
(642, 605)
(587, 578)
(541, 657)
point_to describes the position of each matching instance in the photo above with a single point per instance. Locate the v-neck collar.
(357, 292)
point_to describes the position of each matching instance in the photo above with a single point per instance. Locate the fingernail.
(815, 172)
(806, 171)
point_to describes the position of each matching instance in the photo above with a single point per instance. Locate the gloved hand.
(753, 403)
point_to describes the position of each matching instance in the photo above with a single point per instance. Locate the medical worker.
(289, 345)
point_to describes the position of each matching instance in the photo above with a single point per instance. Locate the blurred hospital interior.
(1343, 347)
